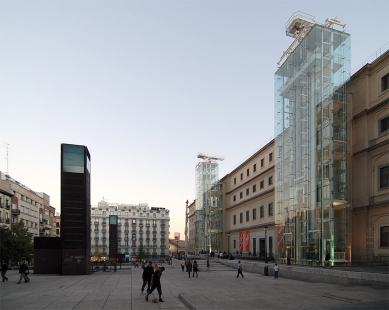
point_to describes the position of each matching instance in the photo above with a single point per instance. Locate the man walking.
(156, 284)
(195, 269)
(23, 269)
(146, 276)
(4, 268)
(239, 269)
(189, 267)
(208, 265)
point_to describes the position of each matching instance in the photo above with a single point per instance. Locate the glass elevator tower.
(311, 144)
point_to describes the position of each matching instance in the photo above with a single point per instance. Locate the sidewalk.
(211, 290)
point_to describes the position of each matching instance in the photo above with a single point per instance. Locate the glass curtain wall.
(215, 222)
(311, 130)
(207, 174)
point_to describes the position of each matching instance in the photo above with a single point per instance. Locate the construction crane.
(209, 158)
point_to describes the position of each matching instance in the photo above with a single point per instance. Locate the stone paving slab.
(211, 290)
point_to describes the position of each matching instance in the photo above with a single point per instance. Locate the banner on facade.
(241, 241)
(280, 238)
(247, 240)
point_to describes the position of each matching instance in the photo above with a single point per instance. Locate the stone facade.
(370, 162)
(248, 205)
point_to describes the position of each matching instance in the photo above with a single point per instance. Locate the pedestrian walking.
(4, 268)
(240, 269)
(23, 270)
(183, 264)
(195, 269)
(156, 283)
(276, 268)
(327, 260)
(189, 267)
(208, 265)
(146, 276)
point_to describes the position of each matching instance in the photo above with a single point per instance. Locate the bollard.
(114, 268)
(266, 271)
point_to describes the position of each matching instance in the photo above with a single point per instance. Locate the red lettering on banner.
(247, 240)
(241, 241)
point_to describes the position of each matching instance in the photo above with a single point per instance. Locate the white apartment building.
(137, 224)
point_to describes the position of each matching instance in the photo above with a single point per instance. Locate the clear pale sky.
(146, 85)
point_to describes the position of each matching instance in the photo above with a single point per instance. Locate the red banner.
(280, 238)
(241, 241)
(247, 240)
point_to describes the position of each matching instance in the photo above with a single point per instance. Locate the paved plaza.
(211, 290)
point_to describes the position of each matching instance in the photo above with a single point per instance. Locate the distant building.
(18, 203)
(137, 225)
(191, 233)
(46, 217)
(57, 225)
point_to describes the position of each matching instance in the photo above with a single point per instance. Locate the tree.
(16, 244)
(141, 255)
(97, 255)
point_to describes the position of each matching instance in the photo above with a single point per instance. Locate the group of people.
(23, 271)
(186, 263)
(152, 278)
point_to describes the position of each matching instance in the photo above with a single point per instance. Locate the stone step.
(214, 266)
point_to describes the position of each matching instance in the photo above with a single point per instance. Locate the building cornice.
(371, 148)
(373, 109)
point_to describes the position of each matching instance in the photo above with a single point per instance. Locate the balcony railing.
(8, 207)
(15, 212)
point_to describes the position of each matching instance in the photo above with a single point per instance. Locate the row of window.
(254, 213)
(125, 214)
(28, 211)
(254, 188)
(255, 167)
(133, 221)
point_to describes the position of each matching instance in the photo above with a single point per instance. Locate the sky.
(147, 85)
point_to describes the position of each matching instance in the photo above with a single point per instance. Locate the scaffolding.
(311, 130)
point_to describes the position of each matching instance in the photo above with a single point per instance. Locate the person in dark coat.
(23, 269)
(156, 283)
(189, 267)
(195, 269)
(4, 268)
(146, 276)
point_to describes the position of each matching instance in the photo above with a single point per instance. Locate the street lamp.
(265, 227)
(228, 243)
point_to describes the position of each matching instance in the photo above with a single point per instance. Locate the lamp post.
(265, 227)
(228, 243)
